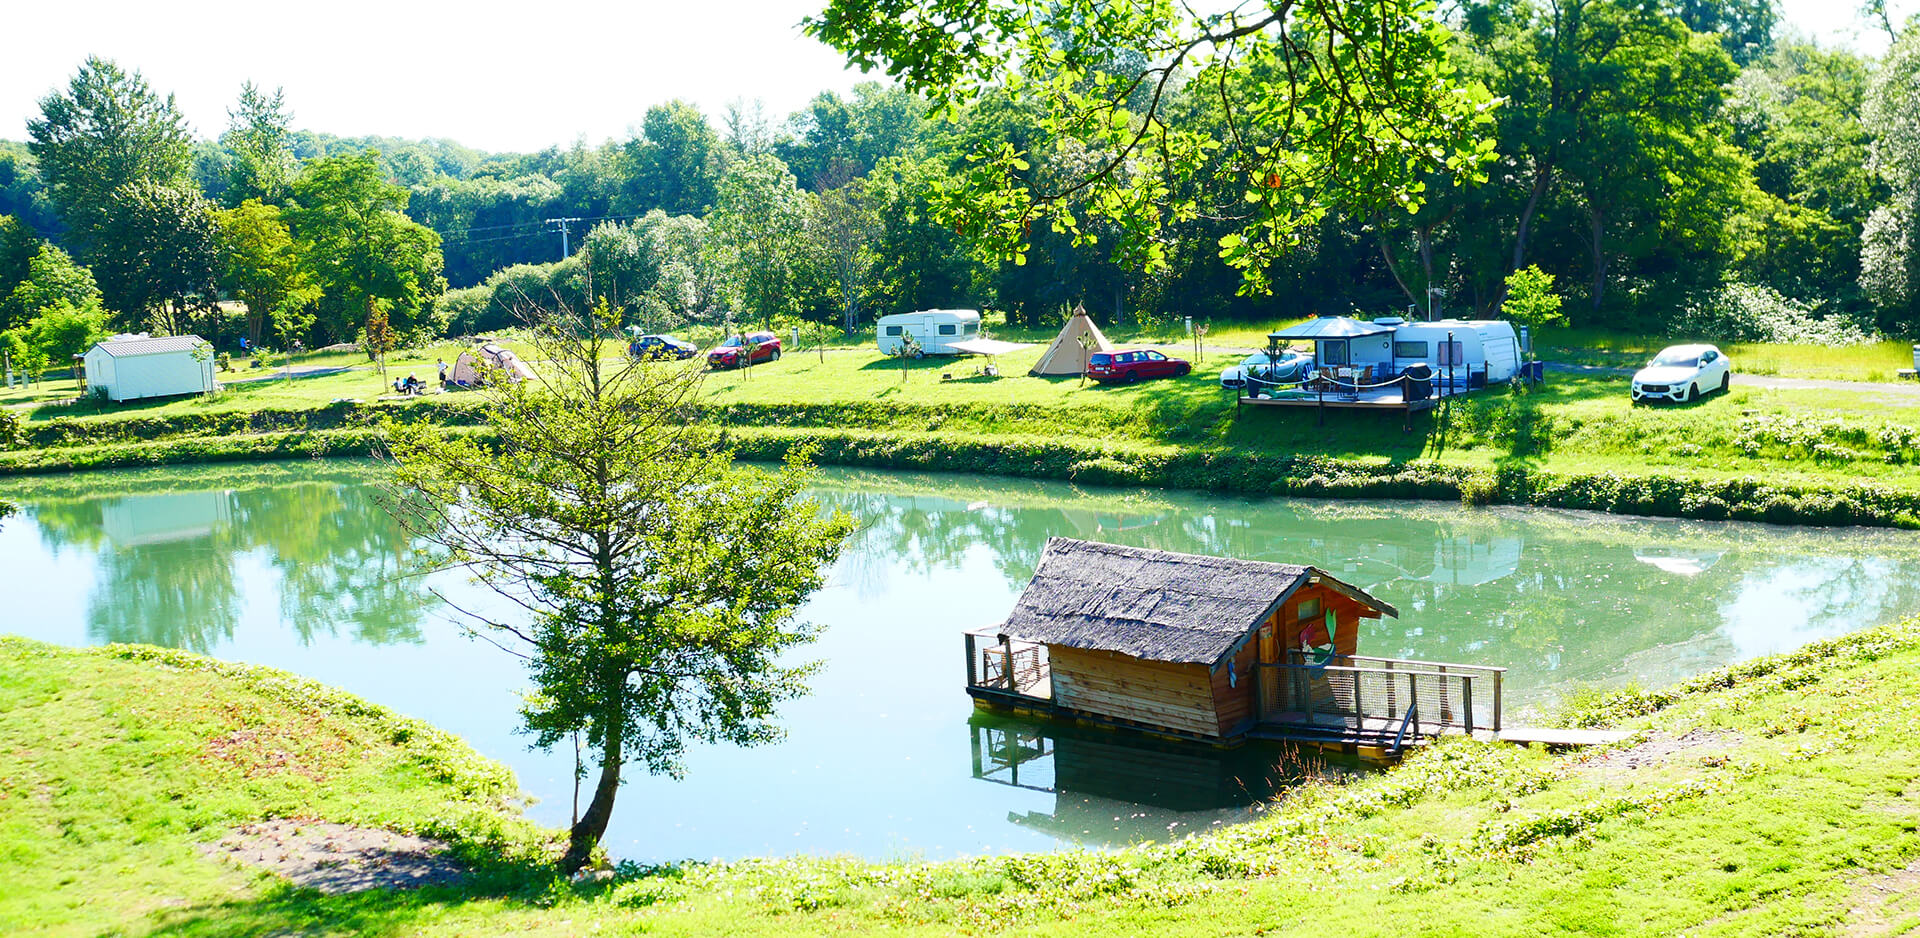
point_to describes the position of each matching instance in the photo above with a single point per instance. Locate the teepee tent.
(1065, 356)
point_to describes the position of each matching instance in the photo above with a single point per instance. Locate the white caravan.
(936, 330)
(1482, 351)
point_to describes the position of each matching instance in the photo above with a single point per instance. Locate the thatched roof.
(1155, 604)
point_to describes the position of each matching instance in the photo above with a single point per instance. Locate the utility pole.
(563, 224)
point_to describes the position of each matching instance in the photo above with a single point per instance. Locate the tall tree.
(619, 266)
(52, 278)
(1333, 107)
(360, 249)
(759, 222)
(846, 225)
(160, 268)
(1890, 243)
(1796, 113)
(258, 265)
(18, 248)
(107, 130)
(659, 580)
(675, 163)
(263, 166)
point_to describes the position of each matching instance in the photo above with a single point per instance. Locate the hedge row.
(1123, 464)
(80, 431)
(1745, 499)
(256, 447)
(84, 431)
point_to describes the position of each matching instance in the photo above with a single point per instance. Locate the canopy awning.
(987, 346)
(1329, 327)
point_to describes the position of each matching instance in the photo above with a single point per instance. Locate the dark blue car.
(662, 346)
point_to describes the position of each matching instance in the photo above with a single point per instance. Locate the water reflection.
(168, 568)
(300, 567)
(1110, 790)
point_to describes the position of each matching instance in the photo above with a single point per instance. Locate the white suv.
(1682, 373)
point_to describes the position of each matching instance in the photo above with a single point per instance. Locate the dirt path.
(336, 858)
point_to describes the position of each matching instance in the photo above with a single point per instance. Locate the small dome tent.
(467, 369)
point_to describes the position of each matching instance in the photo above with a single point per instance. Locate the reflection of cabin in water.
(1214, 649)
(1111, 789)
(172, 516)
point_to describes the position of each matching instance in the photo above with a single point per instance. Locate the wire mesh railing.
(1429, 697)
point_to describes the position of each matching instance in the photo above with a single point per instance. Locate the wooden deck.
(1389, 399)
(1373, 707)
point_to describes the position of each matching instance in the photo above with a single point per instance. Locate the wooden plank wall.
(1174, 696)
(1233, 696)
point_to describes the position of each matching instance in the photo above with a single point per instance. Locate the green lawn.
(1574, 423)
(1873, 362)
(1777, 797)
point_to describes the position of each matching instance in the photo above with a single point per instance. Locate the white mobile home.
(131, 367)
(1475, 352)
(936, 330)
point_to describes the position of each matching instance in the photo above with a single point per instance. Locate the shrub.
(1742, 312)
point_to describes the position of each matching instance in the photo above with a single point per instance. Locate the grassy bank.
(1816, 456)
(117, 764)
(1776, 797)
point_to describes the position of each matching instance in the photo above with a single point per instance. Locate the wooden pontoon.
(1215, 650)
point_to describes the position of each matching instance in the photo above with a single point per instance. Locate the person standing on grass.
(443, 371)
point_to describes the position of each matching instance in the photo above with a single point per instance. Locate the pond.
(297, 566)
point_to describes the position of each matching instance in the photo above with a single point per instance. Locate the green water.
(298, 566)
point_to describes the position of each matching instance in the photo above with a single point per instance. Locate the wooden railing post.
(1466, 698)
(1497, 675)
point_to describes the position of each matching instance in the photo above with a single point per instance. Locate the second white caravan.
(935, 330)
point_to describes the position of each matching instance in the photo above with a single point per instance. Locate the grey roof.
(1154, 604)
(122, 348)
(1330, 327)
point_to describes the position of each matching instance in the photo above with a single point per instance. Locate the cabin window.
(1452, 353)
(896, 330)
(949, 329)
(1308, 608)
(972, 328)
(1334, 353)
(1409, 349)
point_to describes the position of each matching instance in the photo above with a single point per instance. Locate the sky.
(495, 76)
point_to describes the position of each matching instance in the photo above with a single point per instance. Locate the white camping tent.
(1065, 356)
(130, 367)
(466, 368)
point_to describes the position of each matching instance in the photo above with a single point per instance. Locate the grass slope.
(118, 763)
(1778, 797)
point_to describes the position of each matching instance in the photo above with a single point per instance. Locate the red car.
(1129, 365)
(730, 354)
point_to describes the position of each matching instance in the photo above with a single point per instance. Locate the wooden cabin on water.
(1217, 650)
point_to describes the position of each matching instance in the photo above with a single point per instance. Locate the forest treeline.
(1673, 166)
